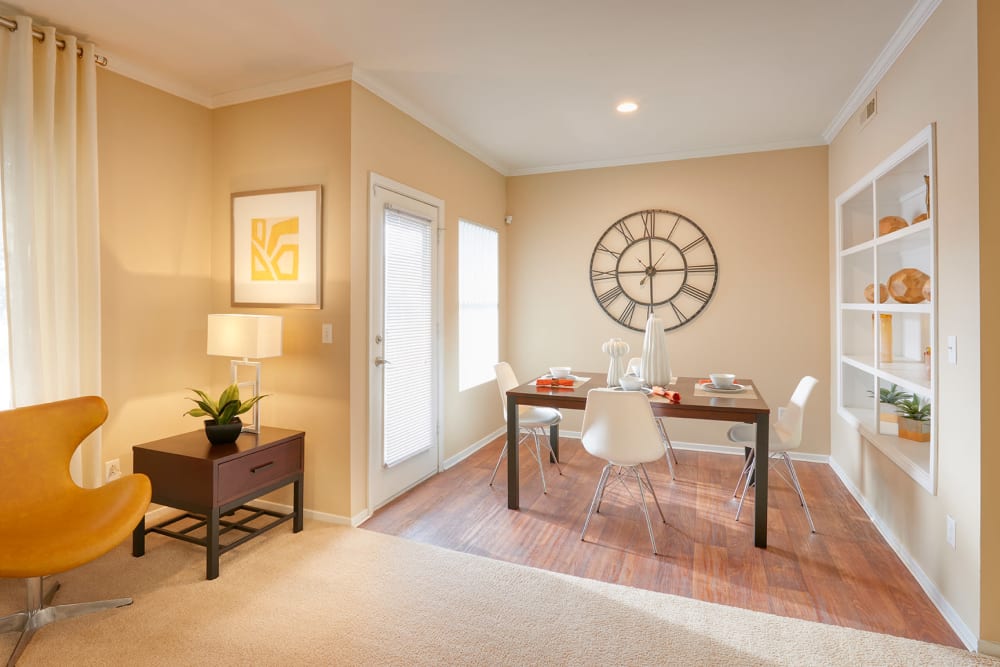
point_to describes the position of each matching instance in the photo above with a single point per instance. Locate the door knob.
(379, 361)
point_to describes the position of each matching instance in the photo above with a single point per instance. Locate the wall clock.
(653, 261)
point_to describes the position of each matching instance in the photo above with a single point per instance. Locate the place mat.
(746, 393)
(577, 382)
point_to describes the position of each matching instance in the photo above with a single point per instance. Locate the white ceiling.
(527, 85)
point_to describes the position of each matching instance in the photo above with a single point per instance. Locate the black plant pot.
(223, 434)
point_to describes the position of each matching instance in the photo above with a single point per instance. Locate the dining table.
(695, 403)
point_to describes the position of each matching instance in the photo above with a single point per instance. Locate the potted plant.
(914, 418)
(224, 424)
(888, 397)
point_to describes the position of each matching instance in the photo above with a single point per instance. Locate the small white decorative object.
(616, 348)
(655, 364)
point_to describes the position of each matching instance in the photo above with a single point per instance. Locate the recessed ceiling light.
(627, 107)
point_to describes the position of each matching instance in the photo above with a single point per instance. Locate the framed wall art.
(277, 245)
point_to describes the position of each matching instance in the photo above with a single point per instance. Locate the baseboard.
(471, 449)
(989, 648)
(963, 631)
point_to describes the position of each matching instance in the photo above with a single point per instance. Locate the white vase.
(615, 348)
(654, 364)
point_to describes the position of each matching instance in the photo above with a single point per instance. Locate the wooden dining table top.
(719, 407)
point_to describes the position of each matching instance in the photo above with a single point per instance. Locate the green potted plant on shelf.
(223, 424)
(914, 418)
(888, 397)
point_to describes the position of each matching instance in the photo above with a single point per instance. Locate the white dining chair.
(619, 427)
(532, 421)
(634, 364)
(785, 435)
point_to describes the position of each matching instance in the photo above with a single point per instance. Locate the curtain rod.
(11, 25)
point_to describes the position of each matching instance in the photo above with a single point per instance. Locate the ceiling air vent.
(868, 110)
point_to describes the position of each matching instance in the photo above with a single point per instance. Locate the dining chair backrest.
(619, 426)
(789, 423)
(506, 380)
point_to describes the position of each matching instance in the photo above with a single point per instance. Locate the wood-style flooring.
(844, 574)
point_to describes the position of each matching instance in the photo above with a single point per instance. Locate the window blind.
(408, 404)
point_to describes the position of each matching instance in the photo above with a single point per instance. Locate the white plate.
(735, 389)
(645, 390)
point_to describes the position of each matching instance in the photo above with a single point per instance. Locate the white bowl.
(630, 382)
(722, 380)
(560, 371)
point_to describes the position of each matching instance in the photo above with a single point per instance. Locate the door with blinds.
(405, 337)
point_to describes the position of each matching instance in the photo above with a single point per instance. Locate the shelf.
(914, 458)
(903, 185)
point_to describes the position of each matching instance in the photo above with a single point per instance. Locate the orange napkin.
(672, 396)
(554, 382)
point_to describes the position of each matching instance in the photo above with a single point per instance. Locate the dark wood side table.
(210, 482)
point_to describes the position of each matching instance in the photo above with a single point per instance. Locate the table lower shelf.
(226, 526)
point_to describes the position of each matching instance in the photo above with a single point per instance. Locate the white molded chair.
(633, 367)
(619, 426)
(785, 435)
(531, 420)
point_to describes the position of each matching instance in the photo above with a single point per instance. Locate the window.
(478, 304)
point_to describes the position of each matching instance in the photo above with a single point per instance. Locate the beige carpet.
(341, 596)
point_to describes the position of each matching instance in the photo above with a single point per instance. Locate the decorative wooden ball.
(889, 224)
(907, 285)
(926, 290)
(883, 293)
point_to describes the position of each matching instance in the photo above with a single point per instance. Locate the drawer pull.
(261, 467)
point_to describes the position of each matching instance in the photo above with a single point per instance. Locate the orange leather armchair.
(48, 524)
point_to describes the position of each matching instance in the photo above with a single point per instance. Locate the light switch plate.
(327, 332)
(952, 347)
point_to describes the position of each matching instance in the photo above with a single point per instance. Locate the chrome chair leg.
(538, 457)
(503, 455)
(668, 447)
(652, 491)
(39, 614)
(552, 452)
(747, 465)
(746, 484)
(598, 492)
(798, 489)
(645, 510)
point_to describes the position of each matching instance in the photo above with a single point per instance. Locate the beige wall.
(290, 140)
(386, 141)
(934, 80)
(156, 235)
(989, 248)
(765, 214)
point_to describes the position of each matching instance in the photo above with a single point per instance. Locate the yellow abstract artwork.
(274, 249)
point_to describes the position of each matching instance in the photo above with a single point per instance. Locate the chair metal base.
(537, 454)
(794, 482)
(39, 614)
(595, 504)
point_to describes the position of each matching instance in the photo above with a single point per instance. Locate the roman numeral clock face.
(653, 261)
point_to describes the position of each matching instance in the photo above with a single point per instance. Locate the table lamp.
(249, 337)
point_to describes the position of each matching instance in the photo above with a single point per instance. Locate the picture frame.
(277, 247)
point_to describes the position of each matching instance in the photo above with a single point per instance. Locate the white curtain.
(48, 140)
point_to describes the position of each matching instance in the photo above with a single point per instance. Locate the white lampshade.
(247, 336)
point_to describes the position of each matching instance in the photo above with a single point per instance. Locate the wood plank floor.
(844, 574)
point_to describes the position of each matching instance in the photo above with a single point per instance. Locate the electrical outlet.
(950, 530)
(327, 332)
(112, 470)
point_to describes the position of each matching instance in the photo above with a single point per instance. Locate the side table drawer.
(258, 469)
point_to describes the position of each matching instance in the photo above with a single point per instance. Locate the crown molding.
(669, 157)
(379, 88)
(128, 69)
(315, 80)
(907, 30)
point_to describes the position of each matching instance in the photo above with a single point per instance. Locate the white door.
(404, 446)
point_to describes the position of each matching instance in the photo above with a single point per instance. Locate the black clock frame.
(699, 295)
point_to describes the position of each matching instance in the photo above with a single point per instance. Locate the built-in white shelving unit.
(881, 344)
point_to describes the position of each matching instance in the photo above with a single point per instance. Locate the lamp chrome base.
(254, 385)
(39, 614)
